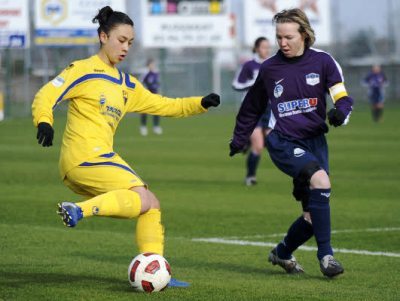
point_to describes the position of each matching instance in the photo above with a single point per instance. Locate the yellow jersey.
(99, 96)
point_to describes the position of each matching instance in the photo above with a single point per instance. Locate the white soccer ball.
(149, 272)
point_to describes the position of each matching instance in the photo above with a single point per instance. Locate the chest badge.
(312, 79)
(278, 90)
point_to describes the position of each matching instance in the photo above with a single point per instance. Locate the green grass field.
(202, 196)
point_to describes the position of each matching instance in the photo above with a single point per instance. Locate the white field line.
(281, 235)
(273, 244)
(235, 241)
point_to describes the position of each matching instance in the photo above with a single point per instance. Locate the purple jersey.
(151, 81)
(296, 89)
(375, 80)
(247, 75)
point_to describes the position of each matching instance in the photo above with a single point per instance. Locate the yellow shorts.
(105, 173)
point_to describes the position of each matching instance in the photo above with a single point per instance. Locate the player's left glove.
(336, 117)
(234, 149)
(45, 134)
(211, 100)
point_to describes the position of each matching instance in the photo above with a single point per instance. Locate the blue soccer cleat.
(70, 213)
(176, 283)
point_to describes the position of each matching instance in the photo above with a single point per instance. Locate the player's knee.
(147, 199)
(301, 184)
(320, 180)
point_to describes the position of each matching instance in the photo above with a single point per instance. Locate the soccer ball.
(149, 272)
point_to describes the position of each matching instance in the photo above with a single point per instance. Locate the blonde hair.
(296, 15)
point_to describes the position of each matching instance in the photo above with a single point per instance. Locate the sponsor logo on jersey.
(99, 70)
(278, 90)
(312, 79)
(298, 104)
(58, 81)
(298, 152)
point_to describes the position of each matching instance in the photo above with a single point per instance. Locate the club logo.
(312, 79)
(278, 90)
(298, 152)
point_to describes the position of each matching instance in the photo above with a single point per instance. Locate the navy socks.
(321, 220)
(299, 232)
(252, 163)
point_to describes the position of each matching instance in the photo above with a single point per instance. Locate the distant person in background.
(152, 82)
(243, 80)
(376, 82)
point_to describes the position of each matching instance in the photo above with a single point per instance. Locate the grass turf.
(202, 196)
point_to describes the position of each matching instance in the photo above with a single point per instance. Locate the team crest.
(278, 90)
(312, 79)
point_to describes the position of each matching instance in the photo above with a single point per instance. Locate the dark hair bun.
(103, 15)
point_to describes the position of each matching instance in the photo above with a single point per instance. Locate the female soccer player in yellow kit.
(99, 96)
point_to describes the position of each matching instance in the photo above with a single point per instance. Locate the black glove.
(211, 100)
(234, 150)
(336, 117)
(45, 134)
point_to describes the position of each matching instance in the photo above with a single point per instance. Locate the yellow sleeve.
(55, 91)
(142, 100)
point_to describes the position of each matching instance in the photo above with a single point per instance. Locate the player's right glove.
(336, 117)
(45, 134)
(211, 100)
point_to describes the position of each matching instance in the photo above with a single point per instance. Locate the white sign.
(258, 16)
(14, 24)
(69, 22)
(169, 24)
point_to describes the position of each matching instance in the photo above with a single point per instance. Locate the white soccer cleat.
(157, 130)
(143, 131)
(250, 181)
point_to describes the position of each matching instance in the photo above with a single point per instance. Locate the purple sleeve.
(334, 76)
(253, 106)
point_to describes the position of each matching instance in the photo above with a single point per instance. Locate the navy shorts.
(376, 95)
(290, 155)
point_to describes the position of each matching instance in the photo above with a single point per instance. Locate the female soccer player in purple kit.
(243, 80)
(296, 81)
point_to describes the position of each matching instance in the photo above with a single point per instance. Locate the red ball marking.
(133, 270)
(148, 254)
(147, 286)
(168, 267)
(152, 267)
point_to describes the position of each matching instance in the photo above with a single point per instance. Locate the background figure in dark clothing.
(244, 79)
(152, 82)
(376, 82)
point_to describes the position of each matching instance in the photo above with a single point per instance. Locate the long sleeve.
(253, 106)
(54, 92)
(141, 100)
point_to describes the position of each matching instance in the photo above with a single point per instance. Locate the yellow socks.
(150, 232)
(123, 203)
